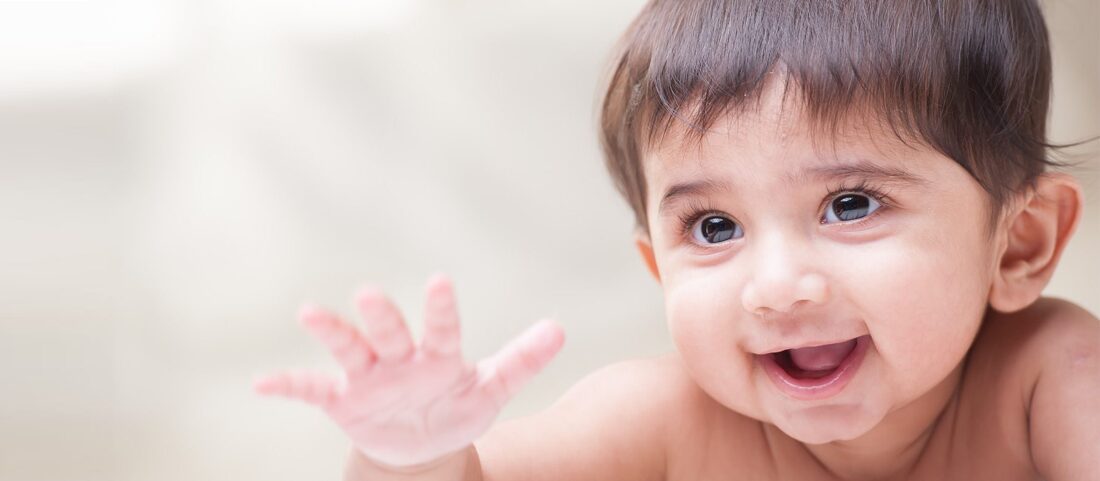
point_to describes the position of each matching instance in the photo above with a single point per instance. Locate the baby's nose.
(764, 297)
(782, 280)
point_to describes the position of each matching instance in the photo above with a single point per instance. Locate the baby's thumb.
(505, 373)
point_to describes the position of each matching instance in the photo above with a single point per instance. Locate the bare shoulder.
(1049, 356)
(1053, 316)
(704, 439)
(1012, 350)
(612, 424)
(1066, 330)
(1049, 332)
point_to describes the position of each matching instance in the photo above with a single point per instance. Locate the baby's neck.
(896, 445)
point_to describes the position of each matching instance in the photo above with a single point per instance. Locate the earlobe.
(1035, 236)
(645, 248)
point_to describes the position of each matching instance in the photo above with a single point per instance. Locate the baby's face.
(890, 272)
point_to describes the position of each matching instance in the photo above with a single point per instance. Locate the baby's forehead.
(787, 135)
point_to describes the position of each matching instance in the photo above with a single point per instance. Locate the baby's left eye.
(850, 206)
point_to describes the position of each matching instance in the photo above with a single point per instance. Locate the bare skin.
(982, 431)
(967, 372)
(648, 420)
(405, 406)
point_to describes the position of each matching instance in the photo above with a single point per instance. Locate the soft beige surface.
(179, 176)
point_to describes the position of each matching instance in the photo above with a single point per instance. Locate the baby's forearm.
(460, 466)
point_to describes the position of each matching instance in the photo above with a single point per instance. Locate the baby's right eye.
(714, 229)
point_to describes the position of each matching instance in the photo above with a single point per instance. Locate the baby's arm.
(609, 426)
(1064, 413)
(606, 427)
(413, 412)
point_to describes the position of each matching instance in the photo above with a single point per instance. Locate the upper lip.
(801, 344)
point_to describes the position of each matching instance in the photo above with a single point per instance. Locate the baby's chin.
(827, 424)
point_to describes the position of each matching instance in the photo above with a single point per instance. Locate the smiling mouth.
(814, 362)
(817, 372)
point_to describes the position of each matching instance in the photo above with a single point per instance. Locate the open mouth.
(815, 372)
(814, 362)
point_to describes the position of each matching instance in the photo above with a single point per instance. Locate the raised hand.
(405, 405)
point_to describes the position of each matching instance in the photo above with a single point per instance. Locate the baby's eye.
(715, 229)
(850, 206)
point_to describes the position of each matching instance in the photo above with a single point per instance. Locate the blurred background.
(178, 177)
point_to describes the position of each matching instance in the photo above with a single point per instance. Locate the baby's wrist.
(449, 466)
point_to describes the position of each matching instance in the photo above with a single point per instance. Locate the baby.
(847, 206)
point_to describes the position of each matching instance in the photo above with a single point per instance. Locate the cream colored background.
(179, 176)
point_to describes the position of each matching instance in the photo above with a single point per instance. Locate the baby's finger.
(387, 334)
(510, 369)
(442, 336)
(312, 388)
(345, 342)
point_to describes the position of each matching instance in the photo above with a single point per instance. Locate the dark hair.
(968, 78)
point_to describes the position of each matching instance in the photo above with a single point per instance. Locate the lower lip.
(822, 387)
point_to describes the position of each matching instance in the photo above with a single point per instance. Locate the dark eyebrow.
(695, 187)
(862, 169)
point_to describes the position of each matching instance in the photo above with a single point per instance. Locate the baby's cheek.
(923, 305)
(702, 319)
(700, 312)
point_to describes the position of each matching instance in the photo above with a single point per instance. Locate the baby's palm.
(402, 405)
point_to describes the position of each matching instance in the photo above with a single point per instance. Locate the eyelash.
(692, 214)
(862, 187)
(696, 210)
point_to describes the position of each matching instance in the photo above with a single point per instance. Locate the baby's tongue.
(822, 358)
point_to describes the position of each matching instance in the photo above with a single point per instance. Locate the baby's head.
(867, 175)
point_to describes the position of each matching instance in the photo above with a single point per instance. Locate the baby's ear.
(1036, 233)
(645, 248)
